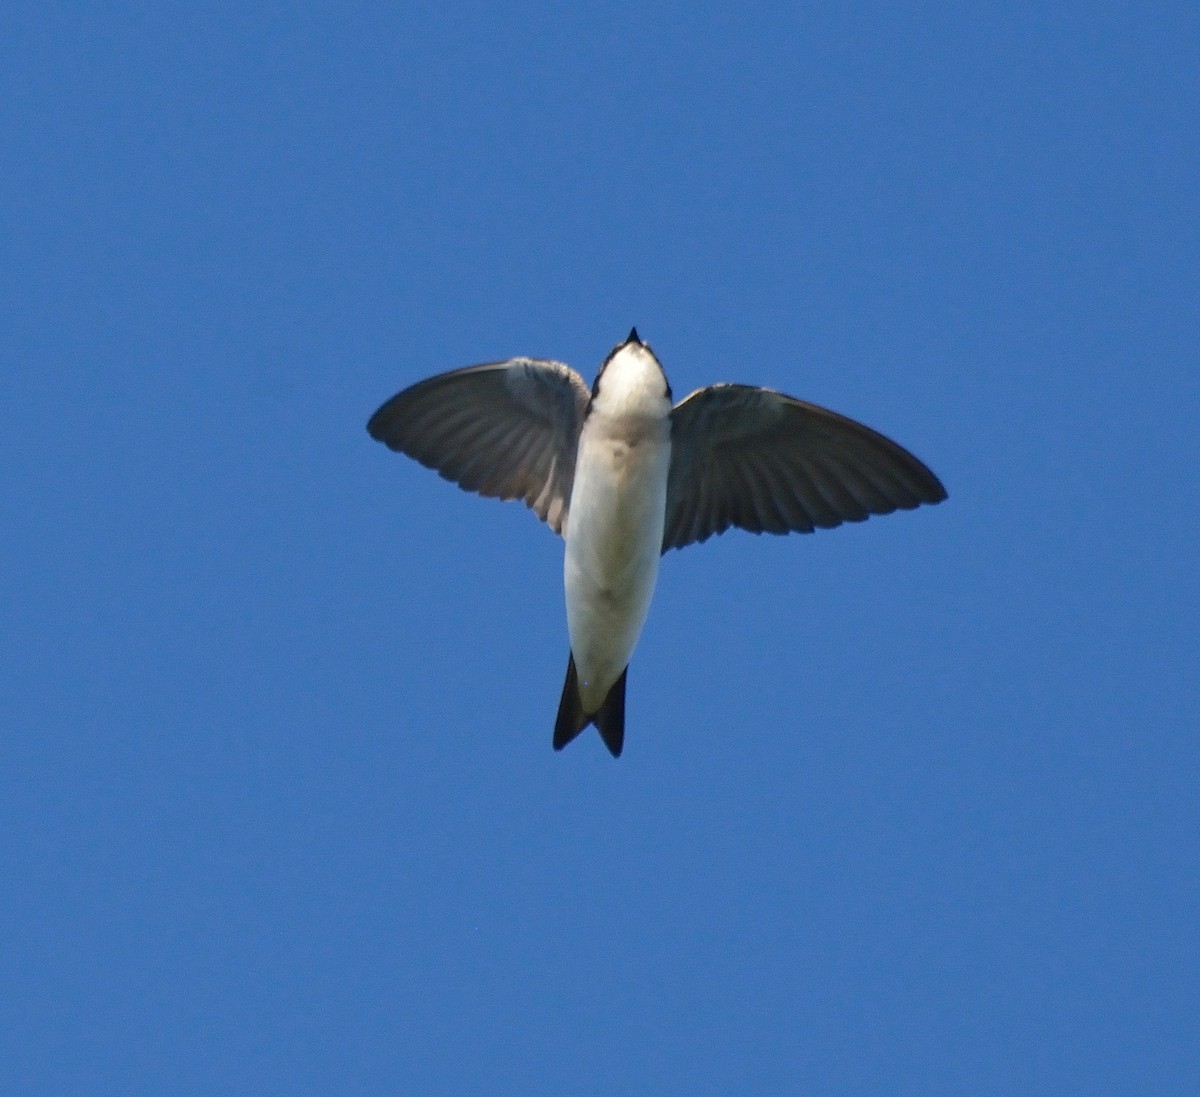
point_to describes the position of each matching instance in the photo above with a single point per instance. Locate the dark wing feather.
(507, 430)
(765, 462)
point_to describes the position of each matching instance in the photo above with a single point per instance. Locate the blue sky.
(908, 807)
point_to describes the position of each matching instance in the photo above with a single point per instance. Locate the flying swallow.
(623, 475)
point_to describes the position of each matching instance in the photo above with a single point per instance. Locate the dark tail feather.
(571, 717)
(609, 720)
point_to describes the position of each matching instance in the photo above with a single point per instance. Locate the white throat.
(632, 383)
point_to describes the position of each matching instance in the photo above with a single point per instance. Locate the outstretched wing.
(507, 430)
(765, 462)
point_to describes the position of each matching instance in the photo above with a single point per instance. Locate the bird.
(623, 474)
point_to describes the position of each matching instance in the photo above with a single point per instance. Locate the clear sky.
(908, 807)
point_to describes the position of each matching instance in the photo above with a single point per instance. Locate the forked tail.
(609, 718)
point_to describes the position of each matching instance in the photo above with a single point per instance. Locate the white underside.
(614, 541)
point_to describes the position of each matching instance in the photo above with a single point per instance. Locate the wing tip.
(375, 425)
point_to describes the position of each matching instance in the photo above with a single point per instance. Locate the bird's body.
(624, 476)
(614, 537)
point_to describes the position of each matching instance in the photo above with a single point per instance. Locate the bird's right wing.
(507, 430)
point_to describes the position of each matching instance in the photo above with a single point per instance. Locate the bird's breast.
(618, 499)
(614, 540)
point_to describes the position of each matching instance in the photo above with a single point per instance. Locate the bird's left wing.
(507, 430)
(768, 463)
